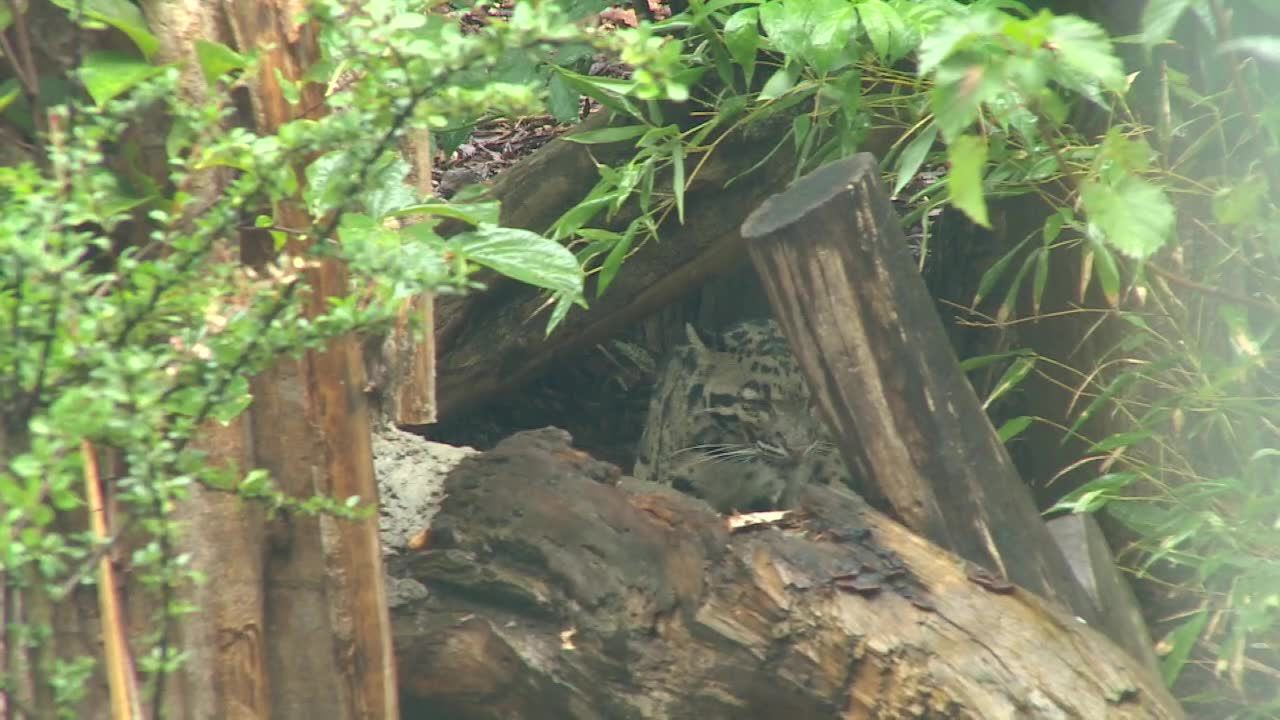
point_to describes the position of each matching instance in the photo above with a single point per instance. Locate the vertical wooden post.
(838, 273)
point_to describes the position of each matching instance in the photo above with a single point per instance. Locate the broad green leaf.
(608, 135)
(1096, 493)
(386, 189)
(562, 101)
(817, 32)
(1159, 18)
(109, 74)
(781, 81)
(742, 38)
(216, 60)
(119, 14)
(1084, 52)
(1133, 215)
(913, 156)
(968, 157)
(885, 29)
(522, 255)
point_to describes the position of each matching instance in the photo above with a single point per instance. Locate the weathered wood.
(841, 282)
(330, 652)
(554, 591)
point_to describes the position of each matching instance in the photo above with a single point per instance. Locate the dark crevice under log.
(554, 591)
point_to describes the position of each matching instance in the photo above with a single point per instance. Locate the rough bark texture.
(330, 651)
(862, 325)
(554, 591)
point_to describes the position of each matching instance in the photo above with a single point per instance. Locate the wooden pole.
(844, 288)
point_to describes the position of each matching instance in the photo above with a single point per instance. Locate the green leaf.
(968, 157)
(1263, 47)
(742, 38)
(1040, 279)
(1159, 18)
(1180, 642)
(677, 175)
(216, 60)
(1120, 440)
(1241, 203)
(563, 101)
(10, 90)
(1011, 378)
(885, 29)
(1133, 215)
(608, 135)
(996, 271)
(478, 213)
(613, 261)
(913, 156)
(119, 14)
(107, 74)
(522, 255)
(1084, 55)
(781, 81)
(1014, 427)
(1096, 493)
(1107, 270)
(816, 32)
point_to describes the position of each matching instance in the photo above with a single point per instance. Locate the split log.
(836, 268)
(555, 591)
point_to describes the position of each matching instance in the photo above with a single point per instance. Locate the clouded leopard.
(733, 423)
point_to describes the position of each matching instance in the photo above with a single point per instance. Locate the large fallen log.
(556, 591)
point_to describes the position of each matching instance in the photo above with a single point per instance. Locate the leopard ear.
(696, 341)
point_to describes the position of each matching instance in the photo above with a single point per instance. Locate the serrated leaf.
(1133, 215)
(1159, 17)
(967, 155)
(608, 135)
(217, 60)
(523, 256)
(119, 14)
(107, 74)
(1084, 52)
(913, 156)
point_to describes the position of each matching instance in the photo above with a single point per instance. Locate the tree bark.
(836, 268)
(554, 590)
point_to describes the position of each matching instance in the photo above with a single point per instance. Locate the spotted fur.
(734, 425)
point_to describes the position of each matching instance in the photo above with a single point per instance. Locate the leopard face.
(734, 424)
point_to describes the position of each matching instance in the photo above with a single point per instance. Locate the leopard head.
(733, 423)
